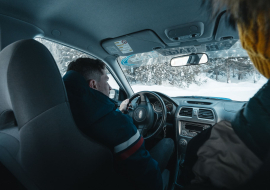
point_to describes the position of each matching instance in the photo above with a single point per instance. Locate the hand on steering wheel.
(124, 105)
(143, 114)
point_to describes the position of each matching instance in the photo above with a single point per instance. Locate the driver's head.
(94, 72)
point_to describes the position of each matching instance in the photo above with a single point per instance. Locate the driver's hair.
(88, 68)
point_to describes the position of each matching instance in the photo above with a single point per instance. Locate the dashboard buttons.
(184, 132)
(206, 127)
(190, 129)
(192, 134)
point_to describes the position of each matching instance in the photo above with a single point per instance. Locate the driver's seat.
(39, 141)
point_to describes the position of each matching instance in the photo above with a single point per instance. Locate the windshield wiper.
(204, 97)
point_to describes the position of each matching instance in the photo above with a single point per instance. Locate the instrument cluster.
(158, 108)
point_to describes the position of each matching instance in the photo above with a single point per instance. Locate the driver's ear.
(93, 84)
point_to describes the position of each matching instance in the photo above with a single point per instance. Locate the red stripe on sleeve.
(131, 151)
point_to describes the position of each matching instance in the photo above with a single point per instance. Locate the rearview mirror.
(193, 59)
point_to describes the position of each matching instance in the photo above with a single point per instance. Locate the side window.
(63, 55)
(112, 81)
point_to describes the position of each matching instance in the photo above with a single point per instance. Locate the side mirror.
(193, 59)
(114, 94)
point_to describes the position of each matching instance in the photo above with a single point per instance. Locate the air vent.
(205, 114)
(187, 112)
(200, 103)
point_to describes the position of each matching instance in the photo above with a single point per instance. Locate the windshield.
(229, 73)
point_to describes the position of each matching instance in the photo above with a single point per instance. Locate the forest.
(237, 68)
(157, 70)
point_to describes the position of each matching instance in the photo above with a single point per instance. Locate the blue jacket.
(96, 115)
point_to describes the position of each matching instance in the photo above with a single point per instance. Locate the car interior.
(40, 145)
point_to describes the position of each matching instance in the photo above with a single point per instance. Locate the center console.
(190, 121)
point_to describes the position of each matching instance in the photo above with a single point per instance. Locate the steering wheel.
(145, 118)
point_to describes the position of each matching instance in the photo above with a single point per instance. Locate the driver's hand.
(124, 105)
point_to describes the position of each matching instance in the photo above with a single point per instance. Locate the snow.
(112, 82)
(238, 91)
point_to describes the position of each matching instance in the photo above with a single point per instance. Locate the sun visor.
(225, 31)
(134, 43)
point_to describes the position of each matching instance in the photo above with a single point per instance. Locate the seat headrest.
(30, 82)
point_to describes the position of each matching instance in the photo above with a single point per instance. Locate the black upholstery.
(41, 145)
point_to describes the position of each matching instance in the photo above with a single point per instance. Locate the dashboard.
(191, 116)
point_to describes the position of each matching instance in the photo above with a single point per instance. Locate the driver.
(97, 116)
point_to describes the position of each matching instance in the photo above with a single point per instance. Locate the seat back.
(39, 141)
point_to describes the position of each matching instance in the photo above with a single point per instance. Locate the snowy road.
(239, 91)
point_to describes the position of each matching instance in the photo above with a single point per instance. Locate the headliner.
(85, 23)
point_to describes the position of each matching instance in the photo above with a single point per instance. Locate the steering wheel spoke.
(143, 97)
(142, 129)
(130, 113)
(157, 118)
